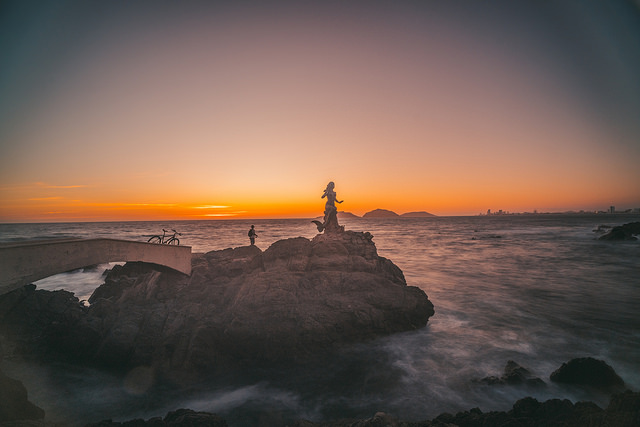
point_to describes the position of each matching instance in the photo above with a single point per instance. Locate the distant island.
(380, 213)
(347, 215)
(420, 214)
(385, 213)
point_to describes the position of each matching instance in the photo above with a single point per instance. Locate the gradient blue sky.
(152, 109)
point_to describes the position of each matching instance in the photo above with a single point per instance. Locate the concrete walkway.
(25, 262)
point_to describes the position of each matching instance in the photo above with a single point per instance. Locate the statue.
(330, 222)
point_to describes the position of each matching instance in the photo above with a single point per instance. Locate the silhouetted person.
(252, 235)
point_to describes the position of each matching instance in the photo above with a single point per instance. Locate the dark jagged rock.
(514, 374)
(623, 232)
(179, 418)
(239, 307)
(623, 411)
(45, 324)
(587, 371)
(14, 403)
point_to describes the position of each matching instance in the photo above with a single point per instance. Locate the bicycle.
(172, 240)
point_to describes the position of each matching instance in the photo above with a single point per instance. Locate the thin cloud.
(45, 198)
(45, 185)
(225, 214)
(211, 207)
(148, 204)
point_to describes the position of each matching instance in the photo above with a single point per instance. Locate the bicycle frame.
(164, 239)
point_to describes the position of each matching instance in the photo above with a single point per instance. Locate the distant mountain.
(381, 213)
(347, 215)
(421, 214)
(342, 215)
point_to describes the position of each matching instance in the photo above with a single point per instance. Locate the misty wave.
(81, 282)
(543, 293)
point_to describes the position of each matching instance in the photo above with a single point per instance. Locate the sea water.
(536, 289)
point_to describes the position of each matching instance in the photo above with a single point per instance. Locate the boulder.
(587, 371)
(623, 232)
(14, 404)
(240, 307)
(514, 374)
(39, 323)
(623, 411)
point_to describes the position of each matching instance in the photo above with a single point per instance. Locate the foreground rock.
(514, 374)
(181, 417)
(14, 404)
(239, 307)
(588, 371)
(623, 232)
(623, 411)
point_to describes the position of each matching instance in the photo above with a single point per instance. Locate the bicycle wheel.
(173, 241)
(155, 239)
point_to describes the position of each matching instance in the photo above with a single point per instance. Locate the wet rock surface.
(622, 411)
(623, 232)
(513, 374)
(588, 371)
(14, 402)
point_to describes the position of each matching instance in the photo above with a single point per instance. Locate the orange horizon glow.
(46, 207)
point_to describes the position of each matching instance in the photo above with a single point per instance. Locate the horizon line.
(399, 216)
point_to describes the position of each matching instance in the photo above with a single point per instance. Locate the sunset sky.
(119, 110)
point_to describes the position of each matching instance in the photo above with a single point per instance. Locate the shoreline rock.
(623, 232)
(513, 374)
(589, 372)
(14, 402)
(623, 411)
(240, 307)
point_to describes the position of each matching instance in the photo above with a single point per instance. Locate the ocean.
(536, 289)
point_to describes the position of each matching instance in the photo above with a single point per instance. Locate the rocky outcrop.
(587, 371)
(181, 417)
(239, 307)
(39, 323)
(623, 232)
(623, 411)
(514, 374)
(14, 404)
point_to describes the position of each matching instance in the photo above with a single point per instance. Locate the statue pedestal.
(330, 224)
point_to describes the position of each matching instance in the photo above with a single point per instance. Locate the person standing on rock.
(252, 235)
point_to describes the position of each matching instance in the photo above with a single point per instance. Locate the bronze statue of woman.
(330, 222)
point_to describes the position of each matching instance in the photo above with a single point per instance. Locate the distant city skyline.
(610, 210)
